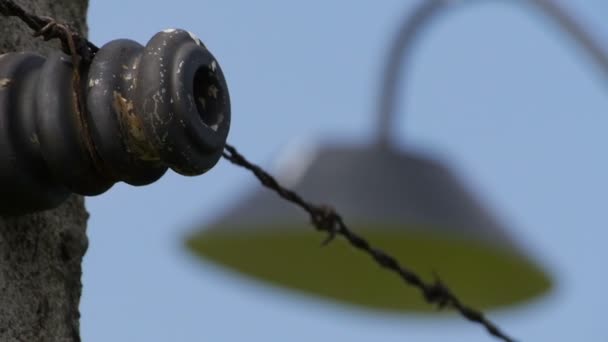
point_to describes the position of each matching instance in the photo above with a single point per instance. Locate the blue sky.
(494, 89)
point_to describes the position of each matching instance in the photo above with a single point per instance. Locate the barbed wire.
(48, 28)
(326, 219)
(323, 217)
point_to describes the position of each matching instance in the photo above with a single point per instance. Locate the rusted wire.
(47, 28)
(81, 51)
(323, 217)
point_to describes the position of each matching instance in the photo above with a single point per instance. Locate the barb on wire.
(325, 219)
(49, 29)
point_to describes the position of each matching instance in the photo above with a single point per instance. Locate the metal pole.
(418, 19)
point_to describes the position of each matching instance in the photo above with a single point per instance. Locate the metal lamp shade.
(410, 206)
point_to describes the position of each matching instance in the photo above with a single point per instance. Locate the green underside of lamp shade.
(481, 276)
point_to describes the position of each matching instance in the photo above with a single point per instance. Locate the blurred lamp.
(405, 203)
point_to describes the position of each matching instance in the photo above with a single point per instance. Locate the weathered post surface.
(41, 253)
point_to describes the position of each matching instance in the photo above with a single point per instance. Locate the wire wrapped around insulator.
(147, 108)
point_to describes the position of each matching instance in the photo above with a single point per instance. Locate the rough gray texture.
(41, 253)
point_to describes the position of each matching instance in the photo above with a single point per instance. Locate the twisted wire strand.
(327, 220)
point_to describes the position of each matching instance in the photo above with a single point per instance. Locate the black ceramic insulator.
(146, 109)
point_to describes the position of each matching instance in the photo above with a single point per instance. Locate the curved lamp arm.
(419, 18)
